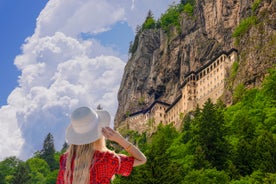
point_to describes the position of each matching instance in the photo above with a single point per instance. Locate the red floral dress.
(106, 164)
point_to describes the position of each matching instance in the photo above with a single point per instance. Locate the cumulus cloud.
(10, 132)
(60, 71)
(72, 17)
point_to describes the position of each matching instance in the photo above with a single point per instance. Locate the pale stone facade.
(206, 82)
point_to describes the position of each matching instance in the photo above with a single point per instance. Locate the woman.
(87, 159)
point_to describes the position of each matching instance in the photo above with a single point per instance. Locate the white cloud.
(72, 17)
(10, 132)
(60, 71)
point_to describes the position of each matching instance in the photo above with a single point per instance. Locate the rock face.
(158, 67)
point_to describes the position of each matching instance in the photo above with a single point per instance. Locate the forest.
(216, 144)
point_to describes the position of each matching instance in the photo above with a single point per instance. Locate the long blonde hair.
(83, 161)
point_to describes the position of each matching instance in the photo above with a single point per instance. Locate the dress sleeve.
(61, 171)
(126, 165)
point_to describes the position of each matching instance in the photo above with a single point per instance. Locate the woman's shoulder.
(105, 154)
(63, 156)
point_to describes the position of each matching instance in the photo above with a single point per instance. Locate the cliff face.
(158, 67)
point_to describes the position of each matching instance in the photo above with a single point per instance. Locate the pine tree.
(266, 153)
(48, 151)
(246, 147)
(64, 147)
(149, 22)
(210, 135)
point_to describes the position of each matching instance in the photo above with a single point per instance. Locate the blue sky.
(57, 55)
(17, 20)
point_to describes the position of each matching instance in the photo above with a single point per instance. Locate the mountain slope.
(157, 68)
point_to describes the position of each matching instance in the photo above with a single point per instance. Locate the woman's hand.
(139, 157)
(111, 134)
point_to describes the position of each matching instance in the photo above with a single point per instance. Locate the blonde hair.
(83, 161)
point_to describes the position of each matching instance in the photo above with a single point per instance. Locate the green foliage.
(134, 45)
(257, 177)
(21, 174)
(244, 26)
(38, 167)
(208, 176)
(170, 17)
(238, 93)
(51, 177)
(7, 166)
(234, 69)
(189, 9)
(256, 4)
(266, 153)
(210, 131)
(159, 168)
(149, 22)
(64, 147)
(48, 151)
(269, 85)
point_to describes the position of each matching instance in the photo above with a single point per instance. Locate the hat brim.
(72, 137)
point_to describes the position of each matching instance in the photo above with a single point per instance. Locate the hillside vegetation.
(215, 145)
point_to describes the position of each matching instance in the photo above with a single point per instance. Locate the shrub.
(189, 9)
(256, 4)
(171, 17)
(244, 26)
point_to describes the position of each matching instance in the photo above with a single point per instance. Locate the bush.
(189, 9)
(171, 17)
(244, 26)
(256, 4)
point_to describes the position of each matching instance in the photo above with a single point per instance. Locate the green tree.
(8, 168)
(211, 134)
(64, 147)
(245, 157)
(170, 18)
(158, 168)
(269, 86)
(21, 174)
(48, 152)
(39, 169)
(266, 153)
(208, 176)
(149, 22)
(52, 177)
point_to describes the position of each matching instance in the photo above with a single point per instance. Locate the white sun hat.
(86, 125)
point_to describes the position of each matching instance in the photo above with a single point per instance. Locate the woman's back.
(103, 167)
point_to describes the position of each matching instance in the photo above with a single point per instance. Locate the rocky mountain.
(157, 68)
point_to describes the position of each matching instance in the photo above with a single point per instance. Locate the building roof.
(174, 102)
(144, 111)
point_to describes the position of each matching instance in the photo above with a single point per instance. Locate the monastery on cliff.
(206, 82)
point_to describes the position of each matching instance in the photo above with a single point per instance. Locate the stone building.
(206, 82)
